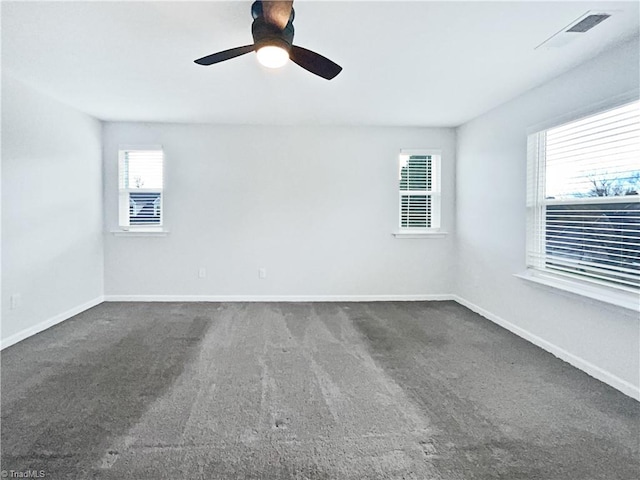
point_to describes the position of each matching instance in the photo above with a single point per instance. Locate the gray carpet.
(419, 390)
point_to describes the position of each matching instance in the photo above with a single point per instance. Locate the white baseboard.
(276, 298)
(27, 332)
(589, 368)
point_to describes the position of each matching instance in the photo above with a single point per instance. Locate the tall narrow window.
(140, 171)
(419, 190)
(583, 209)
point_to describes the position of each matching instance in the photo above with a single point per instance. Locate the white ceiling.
(417, 63)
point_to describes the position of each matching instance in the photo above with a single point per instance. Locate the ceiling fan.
(272, 31)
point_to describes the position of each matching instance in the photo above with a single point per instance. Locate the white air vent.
(579, 26)
(587, 23)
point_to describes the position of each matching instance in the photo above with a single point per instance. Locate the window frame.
(123, 194)
(536, 213)
(435, 193)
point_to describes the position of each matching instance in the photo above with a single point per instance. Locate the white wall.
(314, 206)
(52, 245)
(491, 185)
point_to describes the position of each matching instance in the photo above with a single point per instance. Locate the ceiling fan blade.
(314, 62)
(224, 55)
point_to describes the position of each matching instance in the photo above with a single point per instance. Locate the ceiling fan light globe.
(271, 56)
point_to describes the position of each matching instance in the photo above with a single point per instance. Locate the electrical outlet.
(262, 273)
(15, 301)
(202, 272)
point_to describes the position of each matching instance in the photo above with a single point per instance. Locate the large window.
(419, 190)
(583, 203)
(140, 171)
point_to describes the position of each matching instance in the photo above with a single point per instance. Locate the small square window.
(141, 183)
(419, 189)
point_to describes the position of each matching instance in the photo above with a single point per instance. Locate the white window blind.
(141, 182)
(419, 190)
(583, 203)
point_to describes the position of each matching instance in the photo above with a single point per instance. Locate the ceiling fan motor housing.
(258, 11)
(265, 33)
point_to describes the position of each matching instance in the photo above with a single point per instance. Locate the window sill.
(604, 294)
(414, 234)
(140, 233)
